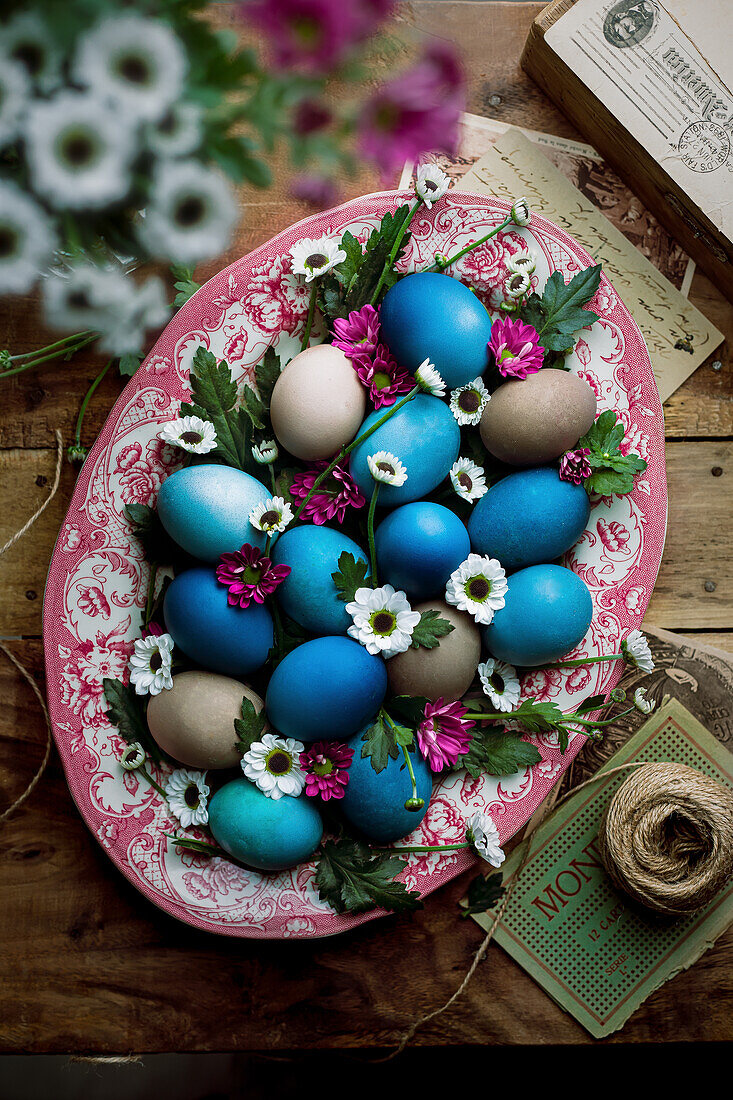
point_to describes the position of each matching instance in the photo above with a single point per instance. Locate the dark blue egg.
(423, 435)
(309, 595)
(431, 316)
(267, 833)
(326, 688)
(374, 802)
(548, 610)
(529, 517)
(205, 509)
(418, 547)
(230, 640)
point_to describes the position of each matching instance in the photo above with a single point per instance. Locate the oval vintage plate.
(97, 580)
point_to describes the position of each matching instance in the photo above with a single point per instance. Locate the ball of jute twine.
(666, 838)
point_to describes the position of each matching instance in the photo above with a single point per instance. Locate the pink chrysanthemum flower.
(384, 379)
(249, 576)
(326, 766)
(443, 735)
(574, 466)
(358, 335)
(516, 348)
(312, 35)
(337, 493)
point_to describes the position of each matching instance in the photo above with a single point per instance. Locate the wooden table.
(87, 965)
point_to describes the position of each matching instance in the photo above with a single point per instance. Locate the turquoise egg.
(548, 610)
(423, 435)
(267, 833)
(230, 640)
(529, 517)
(324, 689)
(418, 547)
(431, 316)
(205, 509)
(309, 595)
(374, 802)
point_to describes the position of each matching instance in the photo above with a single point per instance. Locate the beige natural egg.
(536, 420)
(194, 721)
(318, 403)
(447, 670)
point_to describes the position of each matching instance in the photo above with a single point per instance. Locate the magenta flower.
(358, 335)
(317, 191)
(312, 35)
(444, 735)
(249, 576)
(515, 347)
(574, 466)
(383, 378)
(337, 493)
(326, 766)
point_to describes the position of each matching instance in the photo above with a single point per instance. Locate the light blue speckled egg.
(548, 610)
(429, 315)
(324, 689)
(423, 435)
(418, 547)
(205, 509)
(232, 640)
(529, 517)
(266, 833)
(309, 595)
(374, 802)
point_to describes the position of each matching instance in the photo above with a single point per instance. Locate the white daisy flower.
(272, 515)
(477, 586)
(387, 468)
(636, 651)
(383, 620)
(315, 257)
(265, 453)
(429, 380)
(79, 151)
(646, 706)
(431, 183)
(273, 764)
(27, 239)
(150, 664)
(522, 263)
(84, 294)
(520, 212)
(468, 479)
(517, 285)
(483, 834)
(177, 133)
(187, 793)
(136, 62)
(27, 39)
(191, 214)
(132, 757)
(123, 331)
(501, 683)
(190, 433)
(14, 95)
(468, 402)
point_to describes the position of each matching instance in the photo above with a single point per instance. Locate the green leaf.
(347, 271)
(408, 709)
(352, 878)
(613, 472)
(253, 407)
(594, 703)
(380, 741)
(249, 727)
(215, 396)
(352, 574)
(483, 894)
(430, 630)
(184, 283)
(199, 846)
(159, 547)
(267, 373)
(558, 313)
(355, 279)
(129, 364)
(497, 752)
(126, 711)
(537, 717)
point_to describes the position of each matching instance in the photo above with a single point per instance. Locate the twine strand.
(42, 507)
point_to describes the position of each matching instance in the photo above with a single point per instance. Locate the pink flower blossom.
(358, 335)
(318, 191)
(326, 765)
(444, 735)
(249, 576)
(515, 348)
(337, 493)
(312, 35)
(574, 466)
(384, 379)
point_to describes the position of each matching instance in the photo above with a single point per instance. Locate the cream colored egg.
(194, 721)
(318, 403)
(447, 670)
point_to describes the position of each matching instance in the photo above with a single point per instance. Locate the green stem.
(580, 662)
(424, 848)
(272, 479)
(87, 399)
(393, 254)
(442, 264)
(311, 313)
(152, 782)
(413, 797)
(150, 597)
(197, 845)
(370, 535)
(69, 350)
(51, 347)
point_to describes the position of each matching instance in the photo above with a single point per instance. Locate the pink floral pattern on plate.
(98, 576)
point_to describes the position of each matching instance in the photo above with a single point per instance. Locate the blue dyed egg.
(230, 640)
(431, 316)
(309, 595)
(529, 517)
(548, 610)
(374, 802)
(326, 688)
(418, 547)
(205, 509)
(423, 435)
(267, 833)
